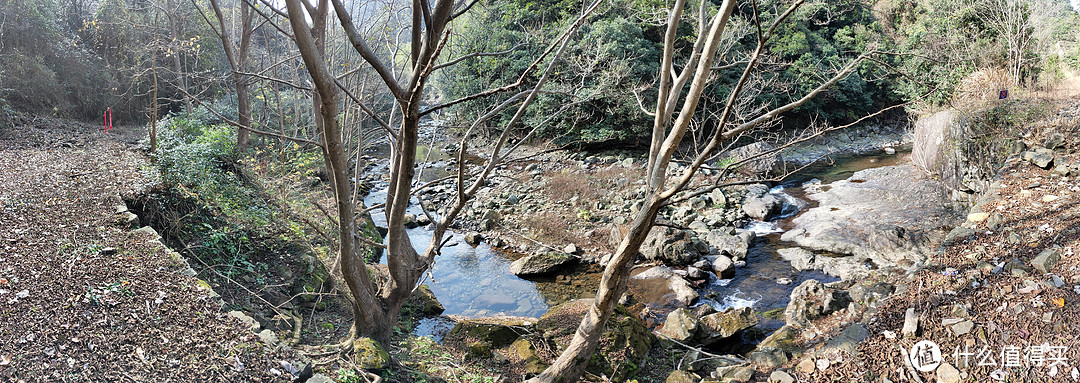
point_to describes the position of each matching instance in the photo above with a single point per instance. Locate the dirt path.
(82, 299)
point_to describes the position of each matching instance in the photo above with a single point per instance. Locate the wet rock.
(718, 326)
(670, 246)
(680, 325)
(369, 354)
(801, 259)
(723, 267)
(1046, 260)
(679, 376)
(541, 264)
(496, 332)
(812, 299)
(473, 238)
(624, 342)
(763, 208)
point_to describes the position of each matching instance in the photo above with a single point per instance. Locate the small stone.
(890, 150)
(1046, 260)
(572, 249)
(963, 327)
(911, 323)
(781, 377)
(806, 366)
(977, 217)
(1050, 198)
(822, 364)
(889, 334)
(946, 373)
(108, 251)
(783, 281)
(1048, 316)
(473, 238)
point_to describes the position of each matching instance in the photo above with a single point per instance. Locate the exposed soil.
(82, 299)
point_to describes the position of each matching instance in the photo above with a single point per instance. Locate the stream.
(764, 284)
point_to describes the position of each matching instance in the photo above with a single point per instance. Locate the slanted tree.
(669, 129)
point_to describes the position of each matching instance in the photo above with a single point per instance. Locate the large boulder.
(735, 246)
(497, 332)
(891, 215)
(811, 300)
(370, 355)
(672, 247)
(801, 259)
(764, 165)
(723, 267)
(422, 302)
(681, 325)
(763, 208)
(719, 326)
(541, 264)
(624, 343)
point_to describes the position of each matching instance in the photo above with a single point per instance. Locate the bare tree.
(1012, 21)
(377, 303)
(669, 130)
(237, 57)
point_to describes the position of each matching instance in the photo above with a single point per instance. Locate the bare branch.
(476, 54)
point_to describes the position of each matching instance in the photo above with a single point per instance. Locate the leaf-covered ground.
(82, 299)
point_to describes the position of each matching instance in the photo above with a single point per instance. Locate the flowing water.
(766, 282)
(476, 281)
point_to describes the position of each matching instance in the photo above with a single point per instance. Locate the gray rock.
(696, 273)
(801, 259)
(541, 264)
(249, 321)
(268, 337)
(946, 373)
(764, 208)
(149, 231)
(812, 299)
(1042, 160)
(684, 292)
(734, 246)
(723, 267)
(319, 378)
(724, 324)
(766, 164)
(911, 323)
(847, 341)
(473, 238)
(680, 325)
(1055, 140)
(656, 272)
(962, 327)
(410, 221)
(718, 198)
(679, 376)
(892, 216)
(1046, 260)
(572, 249)
(670, 246)
(994, 221)
(780, 376)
